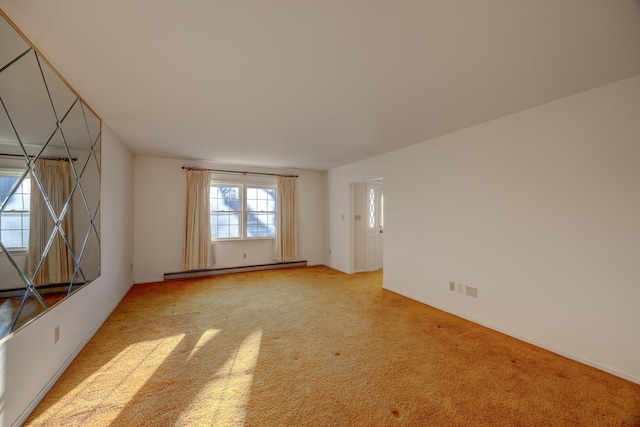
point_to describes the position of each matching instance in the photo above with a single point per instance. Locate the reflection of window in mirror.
(14, 220)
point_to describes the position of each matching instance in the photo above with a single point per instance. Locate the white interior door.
(375, 225)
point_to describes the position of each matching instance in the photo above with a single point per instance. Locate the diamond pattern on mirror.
(96, 153)
(11, 314)
(77, 282)
(30, 306)
(89, 179)
(61, 97)
(15, 285)
(43, 122)
(11, 44)
(93, 126)
(58, 264)
(47, 192)
(8, 314)
(8, 138)
(74, 129)
(14, 90)
(96, 223)
(90, 257)
(81, 227)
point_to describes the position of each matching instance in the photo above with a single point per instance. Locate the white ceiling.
(320, 83)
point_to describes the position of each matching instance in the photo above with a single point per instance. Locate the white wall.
(160, 218)
(539, 210)
(29, 360)
(360, 210)
(341, 208)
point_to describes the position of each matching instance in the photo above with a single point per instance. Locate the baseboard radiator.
(229, 270)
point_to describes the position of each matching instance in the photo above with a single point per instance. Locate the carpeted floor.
(315, 347)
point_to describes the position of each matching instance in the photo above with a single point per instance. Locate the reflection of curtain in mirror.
(198, 253)
(58, 265)
(286, 243)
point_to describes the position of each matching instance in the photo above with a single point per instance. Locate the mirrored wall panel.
(49, 185)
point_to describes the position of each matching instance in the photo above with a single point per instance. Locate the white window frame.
(243, 211)
(17, 173)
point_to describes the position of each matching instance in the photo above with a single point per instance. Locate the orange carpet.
(315, 347)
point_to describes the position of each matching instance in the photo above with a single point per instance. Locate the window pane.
(12, 238)
(231, 197)
(213, 202)
(252, 193)
(11, 220)
(15, 203)
(261, 200)
(6, 185)
(251, 230)
(252, 219)
(372, 208)
(225, 204)
(271, 200)
(14, 220)
(225, 198)
(261, 225)
(225, 225)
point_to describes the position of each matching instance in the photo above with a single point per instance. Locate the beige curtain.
(286, 243)
(58, 264)
(198, 253)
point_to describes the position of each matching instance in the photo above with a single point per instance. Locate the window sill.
(17, 251)
(254, 239)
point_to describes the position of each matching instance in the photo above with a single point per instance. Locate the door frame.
(358, 233)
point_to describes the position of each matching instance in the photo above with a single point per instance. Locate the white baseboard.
(229, 270)
(529, 341)
(36, 401)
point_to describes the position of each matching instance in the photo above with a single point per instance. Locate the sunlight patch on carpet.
(223, 400)
(118, 381)
(204, 338)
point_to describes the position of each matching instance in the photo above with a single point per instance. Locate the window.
(261, 212)
(242, 211)
(372, 207)
(226, 211)
(14, 219)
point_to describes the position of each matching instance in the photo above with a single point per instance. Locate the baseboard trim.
(230, 270)
(550, 348)
(36, 401)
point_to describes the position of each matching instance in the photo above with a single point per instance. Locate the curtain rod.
(239, 172)
(61, 159)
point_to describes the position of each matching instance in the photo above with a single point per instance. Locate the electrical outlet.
(56, 334)
(452, 286)
(244, 255)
